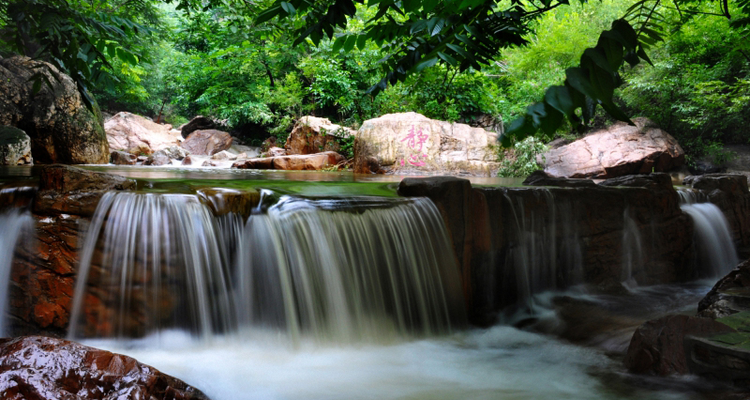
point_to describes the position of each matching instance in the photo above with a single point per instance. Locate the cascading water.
(716, 252)
(17, 225)
(632, 250)
(339, 270)
(545, 253)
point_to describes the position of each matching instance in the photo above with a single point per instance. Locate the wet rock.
(730, 295)
(733, 184)
(41, 368)
(314, 135)
(118, 157)
(207, 142)
(295, 162)
(199, 123)
(230, 201)
(409, 143)
(15, 146)
(208, 164)
(657, 346)
(619, 150)
(69, 190)
(655, 181)
(135, 134)
(540, 178)
(717, 359)
(187, 161)
(61, 128)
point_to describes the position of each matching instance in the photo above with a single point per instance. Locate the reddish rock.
(616, 151)
(295, 162)
(41, 368)
(207, 142)
(313, 135)
(199, 123)
(657, 345)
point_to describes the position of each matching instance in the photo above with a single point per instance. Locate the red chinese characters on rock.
(415, 140)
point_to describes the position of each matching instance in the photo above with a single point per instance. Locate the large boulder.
(61, 128)
(657, 346)
(42, 368)
(207, 142)
(199, 123)
(412, 143)
(15, 146)
(313, 135)
(296, 162)
(619, 150)
(138, 135)
(730, 295)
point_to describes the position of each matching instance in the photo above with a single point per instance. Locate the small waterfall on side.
(545, 252)
(152, 262)
(340, 270)
(632, 250)
(17, 225)
(713, 239)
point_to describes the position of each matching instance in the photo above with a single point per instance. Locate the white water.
(716, 253)
(497, 363)
(335, 270)
(16, 225)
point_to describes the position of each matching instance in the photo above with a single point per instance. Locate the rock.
(293, 162)
(69, 190)
(223, 155)
(208, 164)
(138, 135)
(61, 128)
(187, 161)
(118, 157)
(141, 159)
(175, 152)
(657, 345)
(314, 135)
(733, 184)
(15, 146)
(274, 152)
(616, 151)
(702, 167)
(540, 178)
(412, 143)
(42, 368)
(730, 295)
(207, 142)
(159, 158)
(655, 181)
(230, 201)
(199, 123)
(268, 143)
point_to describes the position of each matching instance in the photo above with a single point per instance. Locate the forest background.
(172, 63)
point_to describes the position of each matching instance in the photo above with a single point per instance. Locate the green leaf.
(268, 14)
(288, 7)
(362, 42)
(351, 40)
(447, 58)
(559, 98)
(578, 78)
(427, 63)
(338, 43)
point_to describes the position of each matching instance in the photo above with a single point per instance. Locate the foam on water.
(497, 363)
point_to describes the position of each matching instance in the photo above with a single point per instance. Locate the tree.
(469, 33)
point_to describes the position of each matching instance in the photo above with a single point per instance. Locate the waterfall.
(16, 225)
(632, 249)
(716, 253)
(545, 251)
(339, 270)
